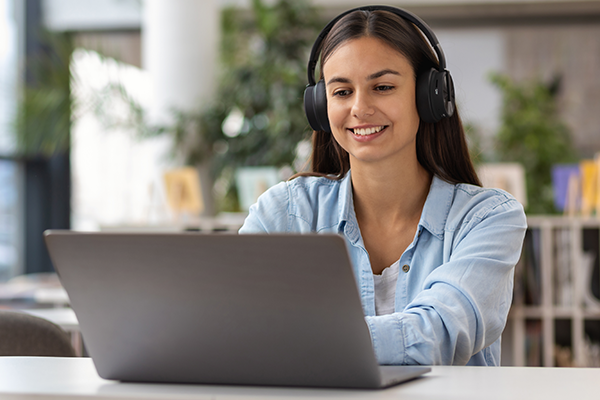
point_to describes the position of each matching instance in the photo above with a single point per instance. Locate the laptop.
(222, 309)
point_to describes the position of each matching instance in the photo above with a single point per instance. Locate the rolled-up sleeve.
(463, 304)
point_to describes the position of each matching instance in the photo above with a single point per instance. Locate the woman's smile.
(365, 134)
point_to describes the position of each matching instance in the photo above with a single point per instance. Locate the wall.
(571, 51)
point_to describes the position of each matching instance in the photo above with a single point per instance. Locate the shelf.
(556, 306)
(558, 221)
(553, 312)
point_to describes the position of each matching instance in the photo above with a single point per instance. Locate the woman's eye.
(383, 88)
(341, 93)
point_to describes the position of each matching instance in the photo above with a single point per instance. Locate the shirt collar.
(437, 206)
(347, 217)
(433, 217)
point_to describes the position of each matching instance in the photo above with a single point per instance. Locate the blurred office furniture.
(43, 296)
(39, 290)
(65, 318)
(223, 222)
(555, 316)
(23, 334)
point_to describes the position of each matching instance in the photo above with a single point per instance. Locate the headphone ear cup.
(449, 94)
(315, 107)
(309, 107)
(423, 98)
(435, 95)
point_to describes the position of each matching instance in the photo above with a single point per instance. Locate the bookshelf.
(555, 317)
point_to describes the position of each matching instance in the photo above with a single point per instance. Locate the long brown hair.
(441, 147)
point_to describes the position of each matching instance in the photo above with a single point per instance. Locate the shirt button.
(405, 268)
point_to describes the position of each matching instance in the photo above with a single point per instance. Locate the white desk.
(39, 378)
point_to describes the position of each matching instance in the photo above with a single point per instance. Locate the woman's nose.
(362, 106)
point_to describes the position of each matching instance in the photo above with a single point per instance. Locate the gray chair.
(23, 334)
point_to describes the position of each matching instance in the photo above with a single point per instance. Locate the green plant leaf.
(533, 134)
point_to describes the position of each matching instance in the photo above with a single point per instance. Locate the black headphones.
(435, 89)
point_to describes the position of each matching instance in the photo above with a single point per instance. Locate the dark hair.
(441, 147)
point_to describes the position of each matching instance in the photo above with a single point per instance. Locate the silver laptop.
(220, 309)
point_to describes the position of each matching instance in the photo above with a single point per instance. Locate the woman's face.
(371, 101)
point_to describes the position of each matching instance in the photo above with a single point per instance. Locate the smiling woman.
(433, 253)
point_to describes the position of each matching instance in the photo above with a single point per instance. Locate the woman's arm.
(464, 303)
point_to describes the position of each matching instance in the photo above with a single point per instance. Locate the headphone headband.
(434, 87)
(418, 22)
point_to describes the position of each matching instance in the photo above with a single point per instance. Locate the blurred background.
(176, 114)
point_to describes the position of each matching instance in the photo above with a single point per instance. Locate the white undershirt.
(385, 289)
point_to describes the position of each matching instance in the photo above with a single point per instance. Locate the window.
(10, 170)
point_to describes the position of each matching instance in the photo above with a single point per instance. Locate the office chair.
(22, 334)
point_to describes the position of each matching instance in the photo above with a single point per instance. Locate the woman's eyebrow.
(382, 73)
(338, 79)
(379, 74)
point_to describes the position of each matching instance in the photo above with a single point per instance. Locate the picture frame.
(506, 176)
(251, 182)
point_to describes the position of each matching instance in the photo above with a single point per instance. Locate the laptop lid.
(218, 308)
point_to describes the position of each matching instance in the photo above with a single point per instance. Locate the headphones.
(434, 88)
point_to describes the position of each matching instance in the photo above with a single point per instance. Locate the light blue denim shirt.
(453, 297)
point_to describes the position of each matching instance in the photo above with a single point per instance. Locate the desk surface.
(51, 378)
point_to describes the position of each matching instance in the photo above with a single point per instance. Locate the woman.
(433, 252)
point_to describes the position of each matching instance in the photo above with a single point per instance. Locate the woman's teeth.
(367, 131)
